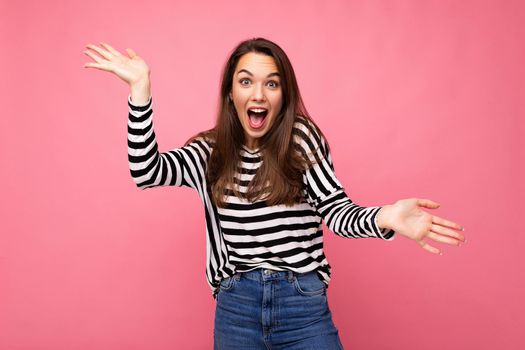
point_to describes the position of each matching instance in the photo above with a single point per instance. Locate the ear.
(230, 96)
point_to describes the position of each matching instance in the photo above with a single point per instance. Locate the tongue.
(256, 120)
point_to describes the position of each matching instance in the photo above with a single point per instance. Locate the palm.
(131, 68)
(409, 220)
(412, 222)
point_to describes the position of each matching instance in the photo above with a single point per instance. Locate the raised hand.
(408, 219)
(131, 68)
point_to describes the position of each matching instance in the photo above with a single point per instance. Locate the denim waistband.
(264, 274)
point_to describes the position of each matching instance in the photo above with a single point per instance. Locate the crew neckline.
(251, 151)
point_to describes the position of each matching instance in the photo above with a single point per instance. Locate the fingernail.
(440, 253)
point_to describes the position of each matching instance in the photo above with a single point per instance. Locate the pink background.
(417, 99)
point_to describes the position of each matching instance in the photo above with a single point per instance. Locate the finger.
(443, 239)
(94, 57)
(98, 66)
(131, 53)
(429, 248)
(110, 49)
(447, 223)
(427, 203)
(102, 52)
(447, 232)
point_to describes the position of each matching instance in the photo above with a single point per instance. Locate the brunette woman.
(266, 179)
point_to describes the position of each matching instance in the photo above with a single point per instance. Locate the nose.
(258, 93)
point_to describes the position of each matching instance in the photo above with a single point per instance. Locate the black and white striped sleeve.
(326, 193)
(185, 166)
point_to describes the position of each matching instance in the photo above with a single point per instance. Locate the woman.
(266, 179)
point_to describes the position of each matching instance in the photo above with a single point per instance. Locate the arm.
(325, 192)
(185, 166)
(405, 217)
(179, 167)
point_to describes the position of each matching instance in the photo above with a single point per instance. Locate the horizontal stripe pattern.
(247, 235)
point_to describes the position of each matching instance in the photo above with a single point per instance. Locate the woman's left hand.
(408, 219)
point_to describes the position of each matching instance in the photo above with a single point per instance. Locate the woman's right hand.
(130, 68)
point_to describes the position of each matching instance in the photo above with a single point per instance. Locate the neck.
(251, 143)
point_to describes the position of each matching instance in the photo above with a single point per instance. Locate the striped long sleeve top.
(247, 235)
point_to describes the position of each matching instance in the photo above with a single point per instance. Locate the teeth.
(257, 110)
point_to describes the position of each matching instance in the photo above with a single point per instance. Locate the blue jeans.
(268, 309)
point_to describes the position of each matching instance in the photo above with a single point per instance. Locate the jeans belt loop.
(290, 276)
(237, 276)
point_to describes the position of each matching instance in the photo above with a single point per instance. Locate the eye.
(243, 80)
(273, 84)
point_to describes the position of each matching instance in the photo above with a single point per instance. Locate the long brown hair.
(279, 179)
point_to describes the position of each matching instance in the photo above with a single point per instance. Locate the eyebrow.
(250, 74)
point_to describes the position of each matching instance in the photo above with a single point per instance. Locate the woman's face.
(256, 94)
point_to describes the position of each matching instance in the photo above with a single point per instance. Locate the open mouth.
(257, 116)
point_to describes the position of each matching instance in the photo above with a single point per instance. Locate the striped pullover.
(247, 235)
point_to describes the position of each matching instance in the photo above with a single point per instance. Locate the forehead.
(257, 63)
